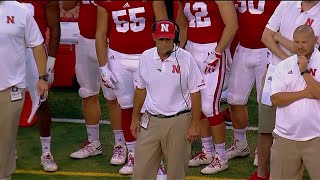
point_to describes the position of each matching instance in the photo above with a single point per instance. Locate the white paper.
(32, 77)
(266, 92)
(33, 112)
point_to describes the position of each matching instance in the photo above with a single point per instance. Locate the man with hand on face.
(296, 93)
(168, 85)
(278, 38)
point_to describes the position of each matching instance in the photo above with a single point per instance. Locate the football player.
(88, 76)
(209, 28)
(128, 25)
(47, 15)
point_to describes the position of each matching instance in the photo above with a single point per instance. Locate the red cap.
(164, 29)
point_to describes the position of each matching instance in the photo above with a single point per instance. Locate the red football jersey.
(129, 25)
(252, 19)
(87, 19)
(39, 8)
(205, 22)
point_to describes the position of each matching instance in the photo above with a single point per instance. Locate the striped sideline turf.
(81, 121)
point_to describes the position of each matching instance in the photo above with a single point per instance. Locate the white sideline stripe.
(81, 121)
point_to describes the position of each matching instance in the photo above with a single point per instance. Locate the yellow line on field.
(96, 174)
(68, 173)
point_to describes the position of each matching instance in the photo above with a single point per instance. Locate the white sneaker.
(119, 154)
(47, 162)
(255, 161)
(200, 158)
(224, 96)
(128, 168)
(238, 149)
(216, 165)
(162, 174)
(89, 149)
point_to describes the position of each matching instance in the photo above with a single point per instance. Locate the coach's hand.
(135, 127)
(107, 77)
(307, 93)
(193, 133)
(211, 62)
(42, 87)
(302, 62)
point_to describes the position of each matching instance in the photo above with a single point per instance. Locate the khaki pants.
(6, 178)
(9, 123)
(164, 137)
(267, 114)
(289, 157)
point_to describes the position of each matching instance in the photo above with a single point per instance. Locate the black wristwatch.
(44, 77)
(304, 72)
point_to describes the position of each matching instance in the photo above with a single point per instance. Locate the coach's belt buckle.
(161, 116)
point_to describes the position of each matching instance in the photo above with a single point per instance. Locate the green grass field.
(67, 137)
(66, 103)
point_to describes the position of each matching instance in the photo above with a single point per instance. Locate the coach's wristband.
(304, 72)
(44, 77)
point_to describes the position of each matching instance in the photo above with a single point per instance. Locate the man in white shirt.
(296, 93)
(168, 85)
(278, 38)
(18, 32)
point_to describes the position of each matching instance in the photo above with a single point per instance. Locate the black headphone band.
(176, 31)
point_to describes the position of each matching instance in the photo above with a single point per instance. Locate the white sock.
(45, 144)
(221, 150)
(208, 145)
(118, 137)
(131, 146)
(93, 132)
(240, 134)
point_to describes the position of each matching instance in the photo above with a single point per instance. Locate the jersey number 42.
(199, 18)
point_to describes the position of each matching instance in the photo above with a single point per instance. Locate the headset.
(176, 31)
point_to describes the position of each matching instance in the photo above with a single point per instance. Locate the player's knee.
(216, 120)
(236, 99)
(109, 94)
(112, 104)
(125, 102)
(202, 116)
(207, 109)
(85, 93)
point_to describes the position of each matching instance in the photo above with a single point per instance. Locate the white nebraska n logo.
(165, 27)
